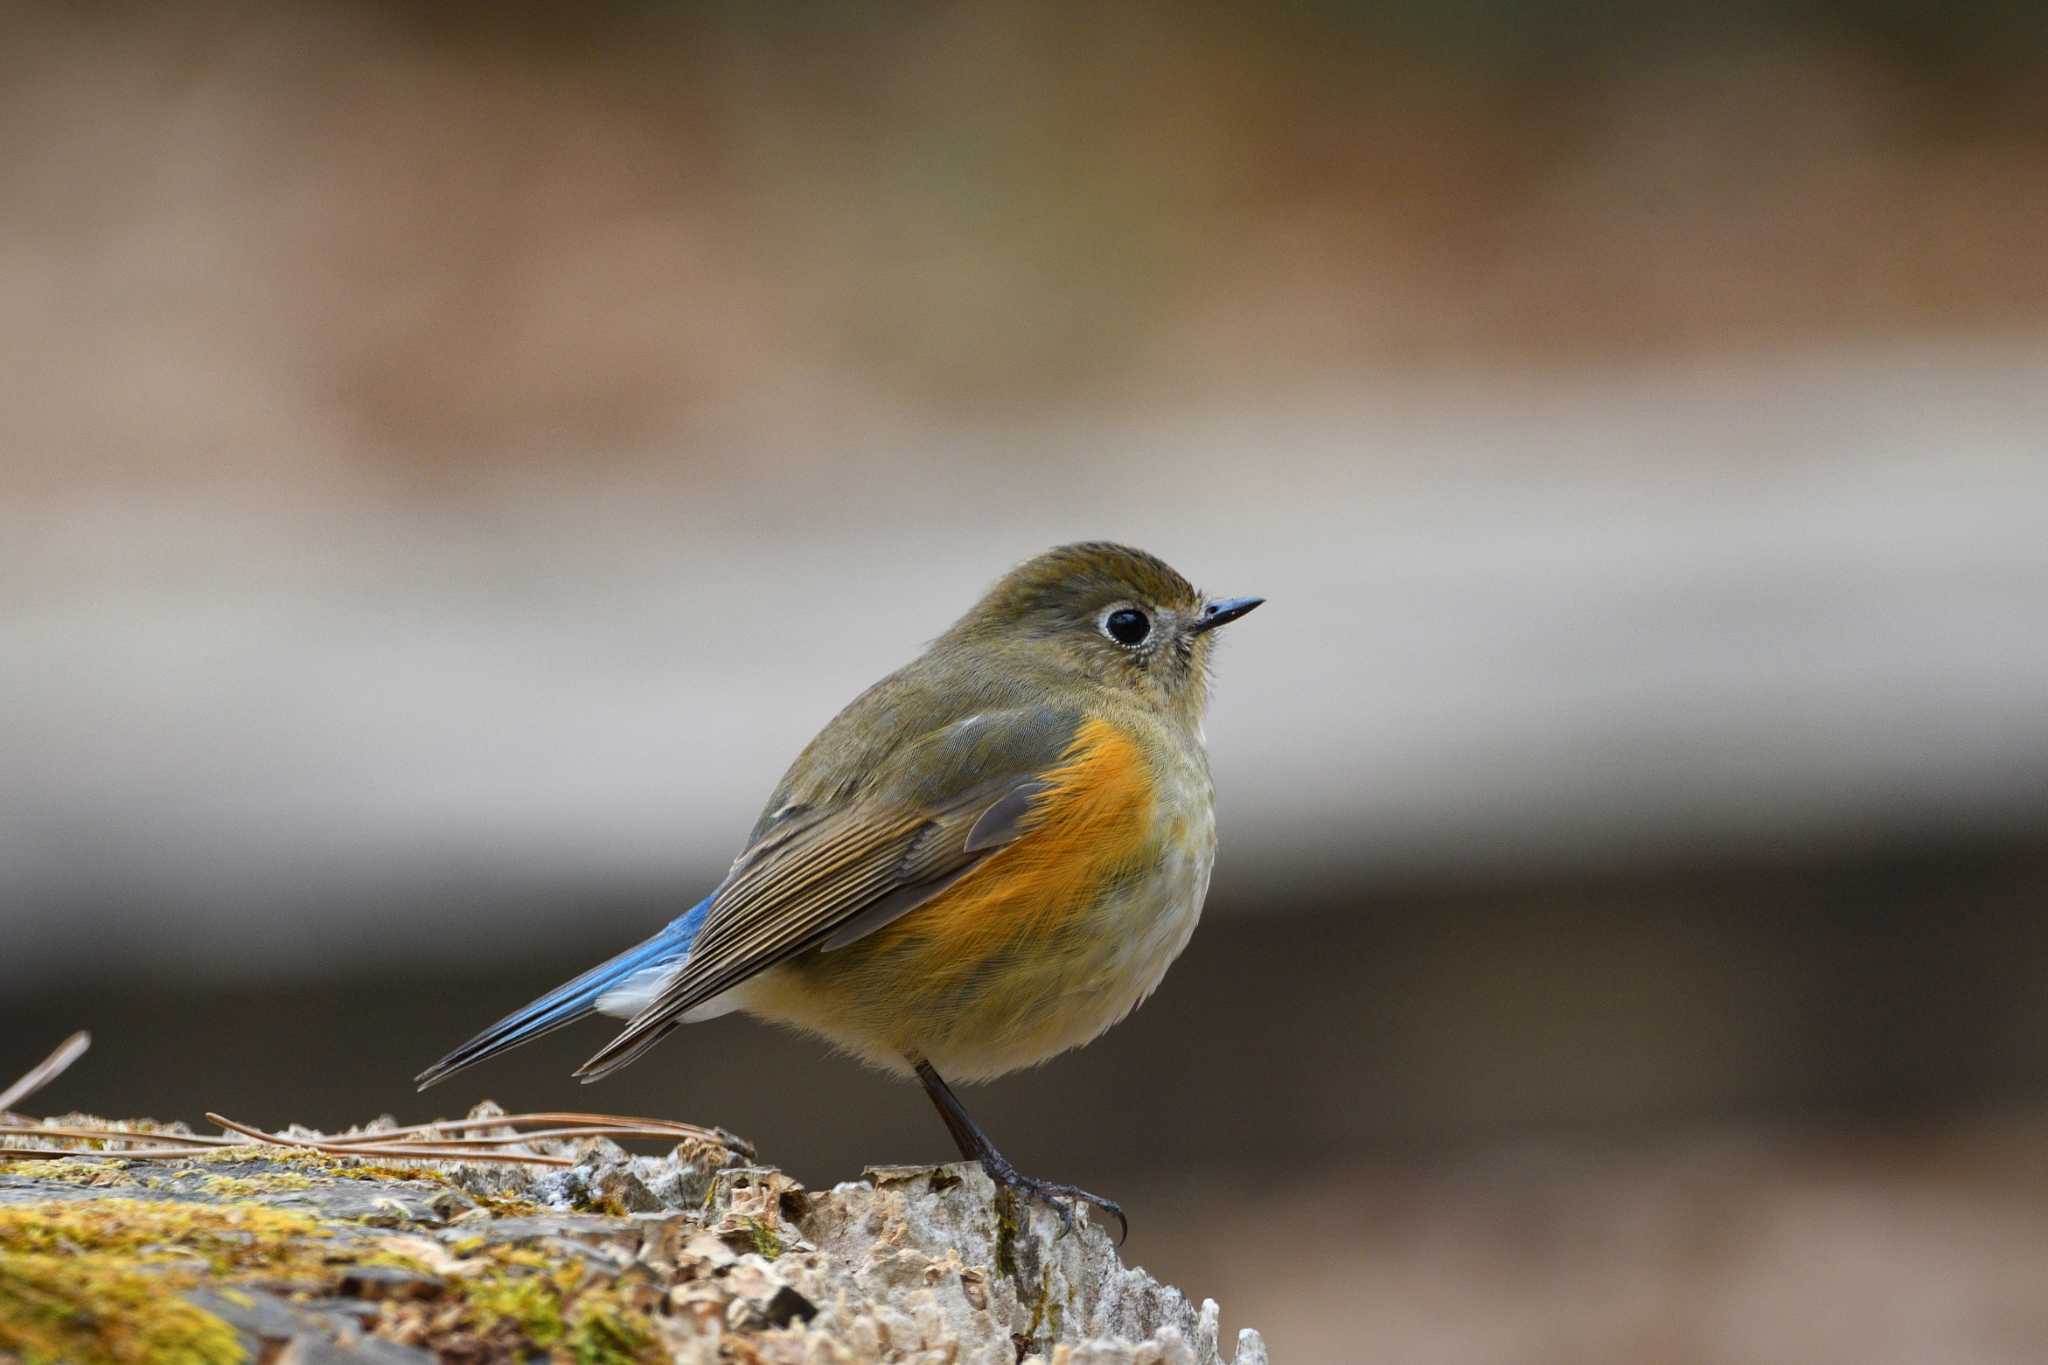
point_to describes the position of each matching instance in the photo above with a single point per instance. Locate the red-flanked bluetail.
(990, 857)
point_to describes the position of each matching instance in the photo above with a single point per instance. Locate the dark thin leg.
(975, 1146)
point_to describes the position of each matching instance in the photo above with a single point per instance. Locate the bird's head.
(1108, 613)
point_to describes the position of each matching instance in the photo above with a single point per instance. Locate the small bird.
(989, 857)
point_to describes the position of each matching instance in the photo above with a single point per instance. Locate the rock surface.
(262, 1253)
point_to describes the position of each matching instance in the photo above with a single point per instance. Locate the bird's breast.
(1048, 942)
(1143, 924)
(1114, 941)
(1095, 828)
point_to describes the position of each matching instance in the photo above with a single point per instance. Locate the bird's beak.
(1225, 609)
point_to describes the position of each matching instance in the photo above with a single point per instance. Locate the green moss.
(603, 1330)
(93, 1173)
(349, 1168)
(96, 1282)
(228, 1237)
(355, 1168)
(107, 1175)
(506, 1205)
(1007, 1228)
(610, 1204)
(1045, 1312)
(531, 1303)
(90, 1310)
(590, 1321)
(247, 1186)
(99, 1281)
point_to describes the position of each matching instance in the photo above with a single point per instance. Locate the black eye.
(1128, 626)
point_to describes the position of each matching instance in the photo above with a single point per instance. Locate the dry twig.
(45, 1071)
(442, 1140)
(439, 1140)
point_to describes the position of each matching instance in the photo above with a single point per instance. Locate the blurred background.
(452, 457)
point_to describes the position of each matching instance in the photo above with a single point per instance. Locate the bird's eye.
(1127, 626)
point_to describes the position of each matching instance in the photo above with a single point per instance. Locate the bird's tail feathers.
(610, 1059)
(609, 986)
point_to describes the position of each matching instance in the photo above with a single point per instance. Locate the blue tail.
(567, 1003)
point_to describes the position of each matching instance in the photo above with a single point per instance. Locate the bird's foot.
(1055, 1196)
(975, 1146)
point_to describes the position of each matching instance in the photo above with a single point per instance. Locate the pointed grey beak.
(1223, 610)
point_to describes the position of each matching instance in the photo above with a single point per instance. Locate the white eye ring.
(1125, 625)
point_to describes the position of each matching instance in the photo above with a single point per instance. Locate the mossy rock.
(261, 1253)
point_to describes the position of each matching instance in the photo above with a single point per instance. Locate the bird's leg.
(975, 1146)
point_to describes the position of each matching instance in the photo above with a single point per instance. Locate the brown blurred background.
(455, 455)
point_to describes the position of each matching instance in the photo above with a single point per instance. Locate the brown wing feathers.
(830, 884)
(825, 878)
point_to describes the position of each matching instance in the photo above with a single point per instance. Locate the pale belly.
(1026, 998)
(1141, 930)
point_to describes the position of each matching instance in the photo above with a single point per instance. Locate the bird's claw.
(1058, 1197)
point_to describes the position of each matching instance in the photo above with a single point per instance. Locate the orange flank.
(1013, 963)
(1090, 827)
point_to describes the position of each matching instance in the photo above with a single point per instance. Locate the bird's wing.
(823, 878)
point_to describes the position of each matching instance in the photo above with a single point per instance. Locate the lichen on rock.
(272, 1254)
